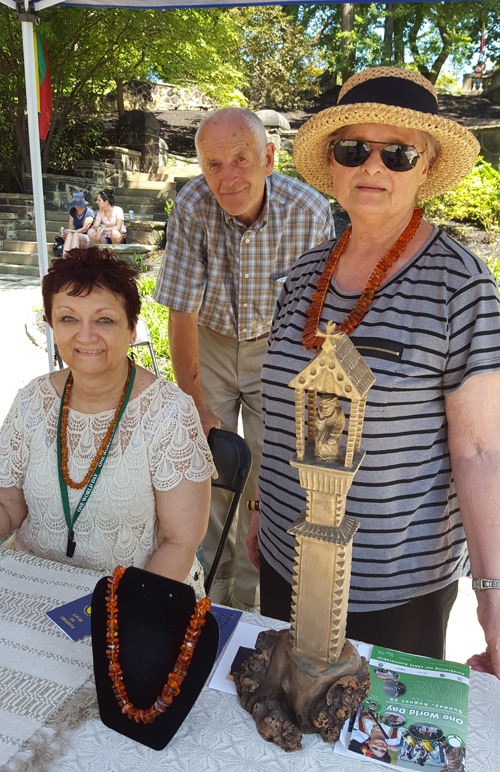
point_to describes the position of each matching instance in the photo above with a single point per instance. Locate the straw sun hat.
(393, 97)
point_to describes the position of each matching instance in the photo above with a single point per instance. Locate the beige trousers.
(231, 378)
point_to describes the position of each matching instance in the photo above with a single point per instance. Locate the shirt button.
(245, 305)
(247, 276)
(245, 329)
(247, 241)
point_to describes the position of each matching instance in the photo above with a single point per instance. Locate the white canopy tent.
(27, 10)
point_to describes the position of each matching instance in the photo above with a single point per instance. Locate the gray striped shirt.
(228, 272)
(433, 325)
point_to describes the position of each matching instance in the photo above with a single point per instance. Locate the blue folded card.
(73, 618)
(227, 619)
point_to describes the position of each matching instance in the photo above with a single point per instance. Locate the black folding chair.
(232, 459)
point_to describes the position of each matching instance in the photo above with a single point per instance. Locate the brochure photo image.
(415, 715)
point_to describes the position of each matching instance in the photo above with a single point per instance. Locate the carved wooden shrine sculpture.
(309, 678)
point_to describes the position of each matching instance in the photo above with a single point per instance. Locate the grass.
(156, 317)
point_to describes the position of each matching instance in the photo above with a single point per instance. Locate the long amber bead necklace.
(64, 434)
(309, 337)
(173, 686)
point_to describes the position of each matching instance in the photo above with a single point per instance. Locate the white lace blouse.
(159, 441)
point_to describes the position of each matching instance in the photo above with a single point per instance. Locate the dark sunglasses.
(354, 152)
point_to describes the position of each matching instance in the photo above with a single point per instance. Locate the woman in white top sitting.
(149, 506)
(108, 227)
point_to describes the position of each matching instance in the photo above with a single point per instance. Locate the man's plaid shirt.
(230, 273)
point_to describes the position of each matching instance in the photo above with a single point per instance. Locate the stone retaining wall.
(489, 139)
(8, 227)
(18, 204)
(141, 95)
(58, 190)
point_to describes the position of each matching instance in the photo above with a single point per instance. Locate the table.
(217, 735)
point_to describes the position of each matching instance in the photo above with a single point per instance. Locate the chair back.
(232, 459)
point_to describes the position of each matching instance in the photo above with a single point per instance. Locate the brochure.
(73, 618)
(227, 619)
(415, 715)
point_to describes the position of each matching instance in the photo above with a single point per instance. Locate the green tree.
(93, 51)
(279, 58)
(383, 33)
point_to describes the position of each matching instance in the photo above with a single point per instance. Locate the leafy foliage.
(476, 199)
(278, 57)
(433, 32)
(91, 51)
(156, 317)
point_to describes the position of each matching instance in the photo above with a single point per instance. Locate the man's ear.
(269, 158)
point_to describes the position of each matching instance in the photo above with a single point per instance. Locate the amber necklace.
(173, 686)
(309, 337)
(98, 462)
(64, 433)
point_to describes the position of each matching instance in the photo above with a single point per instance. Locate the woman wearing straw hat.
(424, 313)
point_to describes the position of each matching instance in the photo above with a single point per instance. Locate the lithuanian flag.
(43, 85)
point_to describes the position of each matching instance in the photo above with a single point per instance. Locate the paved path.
(22, 361)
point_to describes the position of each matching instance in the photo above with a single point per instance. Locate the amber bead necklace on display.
(309, 337)
(179, 672)
(64, 434)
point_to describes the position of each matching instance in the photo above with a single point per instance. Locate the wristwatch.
(486, 584)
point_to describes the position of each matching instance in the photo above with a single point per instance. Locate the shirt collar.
(261, 219)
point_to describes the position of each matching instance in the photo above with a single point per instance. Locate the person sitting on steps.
(108, 227)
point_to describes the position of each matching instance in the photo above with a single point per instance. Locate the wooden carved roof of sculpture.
(337, 369)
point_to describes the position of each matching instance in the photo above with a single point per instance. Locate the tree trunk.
(119, 96)
(398, 42)
(387, 55)
(347, 25)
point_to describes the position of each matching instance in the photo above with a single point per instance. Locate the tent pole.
(36, 162)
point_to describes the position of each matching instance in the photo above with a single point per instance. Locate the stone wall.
(141, 95)
(489, 139)
(8, 227)
(139, 130)
(91, 177)
(18, 204)
(58, 190)
(116, 163)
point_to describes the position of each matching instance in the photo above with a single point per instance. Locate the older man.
(233, 235)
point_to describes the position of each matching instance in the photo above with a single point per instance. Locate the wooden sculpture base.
(289, 696)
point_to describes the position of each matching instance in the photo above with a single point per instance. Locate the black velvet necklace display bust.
(153, 614)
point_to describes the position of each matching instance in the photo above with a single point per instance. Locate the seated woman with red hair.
(105, 434)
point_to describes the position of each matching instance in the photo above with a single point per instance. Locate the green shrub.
(494, 266)
(476, 200)
(156, 317)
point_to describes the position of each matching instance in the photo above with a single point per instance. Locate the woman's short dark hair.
(107, 195)
(83, 270)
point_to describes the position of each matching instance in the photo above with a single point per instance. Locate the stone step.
(31, 235)
(19, 258)
(193, 170)
(20, 270)
(24, 246)
(58, 217)
(133, 202)
(142, 209)
(164, 174)
(134, 187)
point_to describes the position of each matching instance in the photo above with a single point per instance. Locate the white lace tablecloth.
(219, 736)
(40, 668)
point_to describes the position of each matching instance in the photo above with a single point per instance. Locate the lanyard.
(70, 521)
